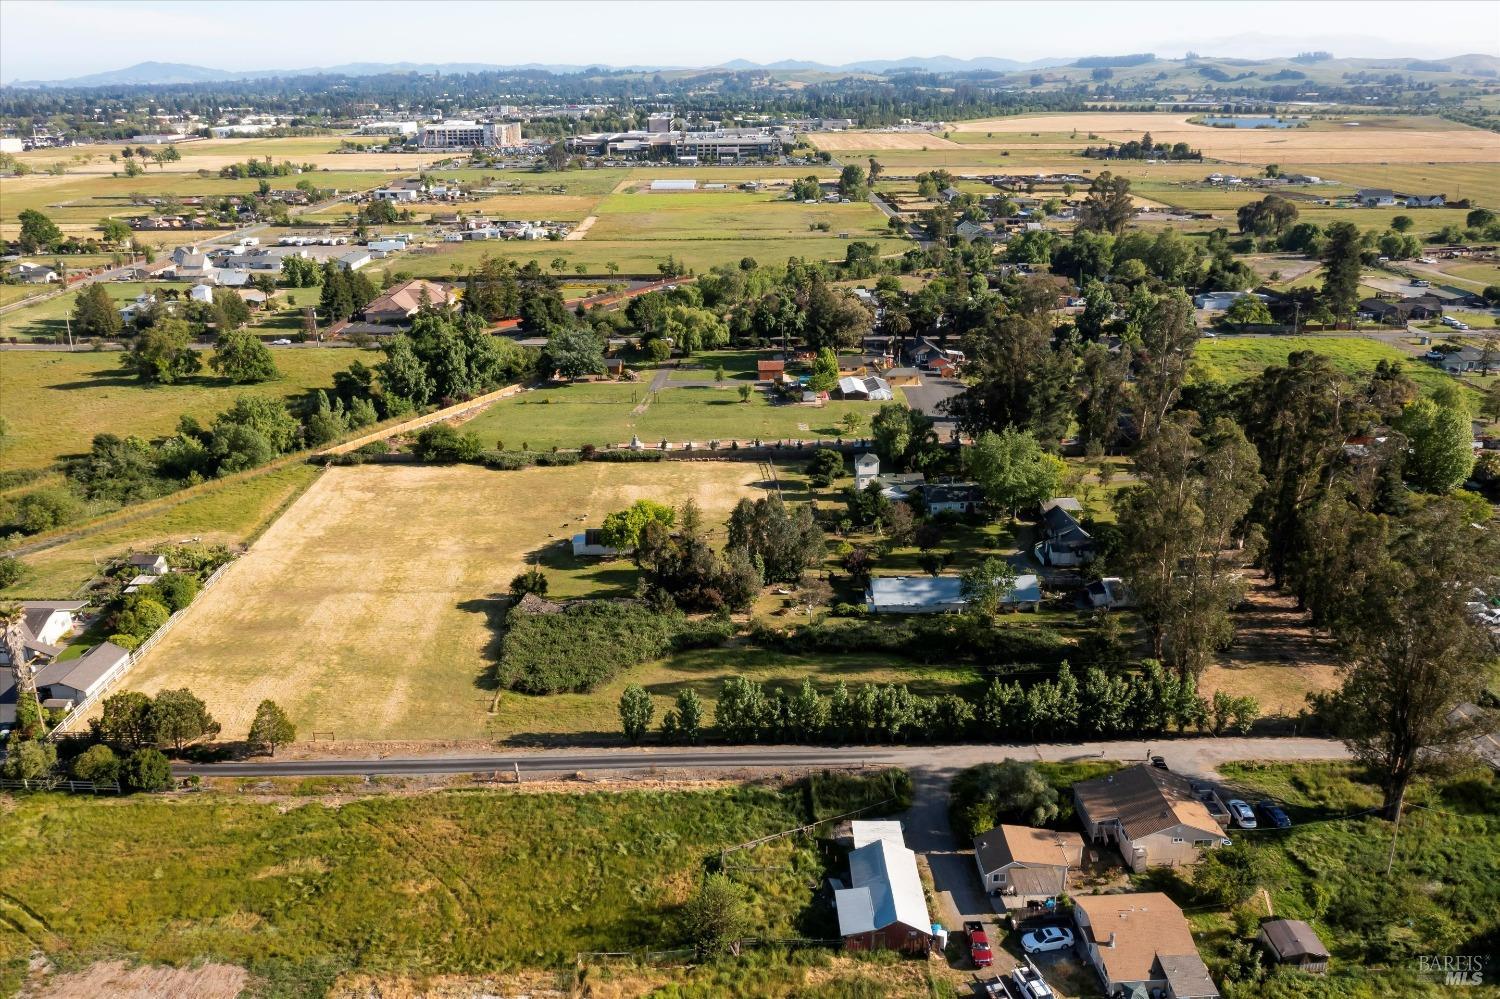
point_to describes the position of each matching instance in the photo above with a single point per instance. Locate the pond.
(1248, 121)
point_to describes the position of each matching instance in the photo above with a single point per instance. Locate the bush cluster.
(584, 646)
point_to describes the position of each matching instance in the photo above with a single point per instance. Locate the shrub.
(140, 615)
(11, 571)
(582, 647)
(626, 456)
(533, 580)
(442, 443)
(29, 760)
(994, 793)
(146, 770)
(97, 763)
(175, 590)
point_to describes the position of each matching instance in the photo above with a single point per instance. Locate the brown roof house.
(1140, 944)
(1026, 866)
(403, 301)
(1150, 814)
(768, 370)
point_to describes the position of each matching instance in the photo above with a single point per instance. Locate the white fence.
(109, 680)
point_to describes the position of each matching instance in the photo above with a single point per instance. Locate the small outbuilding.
(589, 544)
(768, 370)
(1292, 942)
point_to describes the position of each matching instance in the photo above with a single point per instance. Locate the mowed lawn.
(366, 609)
(569, 416)
(1234, 359)
(54, 402)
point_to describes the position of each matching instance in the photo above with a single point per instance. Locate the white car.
(1048, 938)
(1244, 815)
(1030, 983)
(283, 342)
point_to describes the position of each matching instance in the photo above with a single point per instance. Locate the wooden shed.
(1293, 942)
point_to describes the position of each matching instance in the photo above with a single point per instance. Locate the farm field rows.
(88, 393)
(385, 579)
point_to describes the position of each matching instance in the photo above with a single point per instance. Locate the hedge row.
(927, 640)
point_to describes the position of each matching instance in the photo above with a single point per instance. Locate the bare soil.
(118, 980)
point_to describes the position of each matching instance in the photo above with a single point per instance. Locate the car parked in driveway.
(979, 944)
(1048, 938)
(1273, 814)
(1031, 984)
(1244, 815)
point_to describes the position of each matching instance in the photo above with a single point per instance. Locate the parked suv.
(979, 944)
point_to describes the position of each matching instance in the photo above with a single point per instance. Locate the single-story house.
(231, 277)
(1218, 301)
(1110, 593)
(33, 273)
(767, 370)
(588, 544)
(1293, 942)
(1426, 200)
(904, 376)
(65, 684)
(44, 623)
(1375, 197)
(1141, 940)
(940, 594)
(873, 388)
(1064, 541)
(150, 562)
(1398, 313)
(950, 194)
(969, 231)
(884, 906)
(405, 300)
(1457, 362)
(951, 497)
(1026, 865)
(1150, 814)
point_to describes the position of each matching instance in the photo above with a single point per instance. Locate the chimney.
(1111, 944)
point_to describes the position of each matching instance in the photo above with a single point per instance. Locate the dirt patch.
(118, 980)
(581, 229)
(1277, 656)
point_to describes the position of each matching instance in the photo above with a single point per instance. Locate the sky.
(55, 39)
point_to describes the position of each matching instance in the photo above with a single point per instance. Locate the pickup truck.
(979, 944)
(1215, 806)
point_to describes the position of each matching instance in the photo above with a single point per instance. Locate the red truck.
(979, 944)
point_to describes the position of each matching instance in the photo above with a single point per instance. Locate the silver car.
(1244, 815)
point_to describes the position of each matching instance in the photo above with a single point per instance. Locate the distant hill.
(168, 73)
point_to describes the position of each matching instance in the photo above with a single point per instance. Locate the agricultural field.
(1234, 359)
(230, 511)
(87, 393)
(300, 892)
(211, 154)
(375, 559)
(569, 416)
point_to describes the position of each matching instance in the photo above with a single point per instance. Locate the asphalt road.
(1190, 756)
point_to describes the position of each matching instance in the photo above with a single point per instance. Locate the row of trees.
(1104, 704)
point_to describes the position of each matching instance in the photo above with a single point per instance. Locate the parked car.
(979, 944)
(1421, 283)
(1273, 814)
(1244, 815)
(1048, 938)
(283, 342)
(1159, 762)
(1030, 983)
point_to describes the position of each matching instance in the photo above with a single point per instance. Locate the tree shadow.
(494, 608)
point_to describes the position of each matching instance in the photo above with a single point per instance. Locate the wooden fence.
(448, 413)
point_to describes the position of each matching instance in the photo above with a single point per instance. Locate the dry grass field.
(365, 610)
(1374, 141)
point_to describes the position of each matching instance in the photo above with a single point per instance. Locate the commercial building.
(469, 135)
(733, 146)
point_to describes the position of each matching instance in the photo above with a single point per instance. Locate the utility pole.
(1390, 860)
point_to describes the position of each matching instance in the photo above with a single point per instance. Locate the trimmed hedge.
(926, 640)
(585, 645)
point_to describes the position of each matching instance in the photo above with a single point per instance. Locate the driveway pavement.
(927, 397)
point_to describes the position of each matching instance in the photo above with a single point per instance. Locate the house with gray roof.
(884, 907)
(940, 594)
(68, 683)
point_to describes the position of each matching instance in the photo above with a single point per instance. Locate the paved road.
(1197, 757)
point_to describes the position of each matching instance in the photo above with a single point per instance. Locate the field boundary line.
(437, 416)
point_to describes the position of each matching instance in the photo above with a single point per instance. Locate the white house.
(1109, 592)
(940, 594)
(150, 562)
(1425, 200)
(1375, 197)
(355, 259)
(202, 293)
(951, 497)
(866, 469)
(33, 273)
(44, 623)
(1218, 301)
(65, 684)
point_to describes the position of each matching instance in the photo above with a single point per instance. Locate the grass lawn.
(225, 511)
(87, 393)
(385, 581)
(599, 413)
(1234, 359)
(301, 892)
